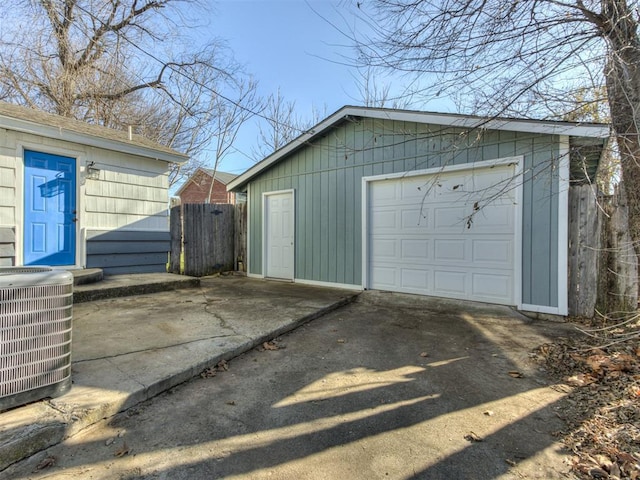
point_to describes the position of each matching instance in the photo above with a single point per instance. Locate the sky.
(285, 44)
(292, 45)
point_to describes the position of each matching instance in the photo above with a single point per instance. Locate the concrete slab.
(389, 386)
(126, 350)
(133, 284)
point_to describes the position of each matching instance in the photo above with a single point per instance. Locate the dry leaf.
(598, 473)
(209, 372)
(48, 462)
(580, 380)
(223, 365)
(472, 437)
(515, 374)
(270, 346)
(121, 452)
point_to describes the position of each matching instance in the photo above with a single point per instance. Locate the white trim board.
(563, 226)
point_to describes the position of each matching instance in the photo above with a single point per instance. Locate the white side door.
(279, 235)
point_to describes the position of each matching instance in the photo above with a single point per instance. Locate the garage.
(427, 203)
(450, 233)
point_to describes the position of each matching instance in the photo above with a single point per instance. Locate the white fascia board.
(288, 148)
(59, 133)
(463, 121)
(443, 119)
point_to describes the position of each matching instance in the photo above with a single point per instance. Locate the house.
(77, 195)
(197, 188)
(425, 203)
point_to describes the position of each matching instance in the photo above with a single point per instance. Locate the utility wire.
(183, 74)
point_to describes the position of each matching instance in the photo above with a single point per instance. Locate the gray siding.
(120, 251)
(327, 178)
(7, 247)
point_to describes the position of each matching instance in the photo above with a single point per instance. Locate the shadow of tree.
(350, 396)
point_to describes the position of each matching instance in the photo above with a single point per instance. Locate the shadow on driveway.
(391, 386)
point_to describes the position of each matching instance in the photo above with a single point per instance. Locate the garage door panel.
(415, 249)
(385, 278)
(447, 219)
(415, 189)
(386, 218)
(385, 192)
(492, 287)
(496, 252)
(490, 183)
(421, 242)
(494, 218)
(447, 282)
(446, 250)
(415, 219)
(415, 280)
(385, 248)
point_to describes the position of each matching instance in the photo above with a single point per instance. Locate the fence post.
(175, 227)
(240, 237)
(584, 250)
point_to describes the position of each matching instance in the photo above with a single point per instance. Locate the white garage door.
(448, 234)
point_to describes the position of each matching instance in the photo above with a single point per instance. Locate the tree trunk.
(622, 73)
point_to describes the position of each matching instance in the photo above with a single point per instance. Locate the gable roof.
(600, 131)
(222, 177)
(29, 120)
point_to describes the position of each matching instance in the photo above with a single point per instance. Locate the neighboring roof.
(222, 177)
(37, 122)
(445, 119)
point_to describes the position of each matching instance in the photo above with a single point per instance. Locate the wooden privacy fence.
(207, 238)
(603, 268)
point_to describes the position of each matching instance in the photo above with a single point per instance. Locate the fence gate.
(204, 234)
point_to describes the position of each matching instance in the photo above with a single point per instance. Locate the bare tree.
(227, 120)
(498, 54)
(280, 124)
(375, 92)
(117, 63)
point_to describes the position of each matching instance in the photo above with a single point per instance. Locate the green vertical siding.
(327, 178)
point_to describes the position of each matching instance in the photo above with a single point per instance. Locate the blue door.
(49, 209)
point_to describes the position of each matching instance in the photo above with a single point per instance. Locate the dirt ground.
(602, 411)
(391, 386)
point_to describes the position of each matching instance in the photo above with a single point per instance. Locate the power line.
(183, 74)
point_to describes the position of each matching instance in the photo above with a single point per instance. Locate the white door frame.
(516, 161)
(265, 219)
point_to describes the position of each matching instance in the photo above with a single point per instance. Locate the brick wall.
(197, 189)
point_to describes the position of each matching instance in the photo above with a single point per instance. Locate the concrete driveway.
(390, 386)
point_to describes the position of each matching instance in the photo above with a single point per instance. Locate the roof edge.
(64, 134)
(548, 127)
(202, 169)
